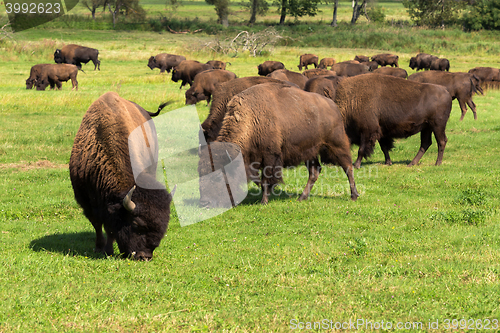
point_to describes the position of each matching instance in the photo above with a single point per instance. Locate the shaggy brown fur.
(381, 107)
(349, 69)
(53, 75)
(187, 70)
(361, 58)
(101, 175)
(326, 62)
(317, 72)
(217, 64)
(489, 76)
(165, 61)
(289, 76)
(422, 61)
(204, 83)
(35, 73)
(269, 66)
(286, 128)
(441, 64)
(394, 71)
(386, 59)
(308, 59)
(324, 85)
(76, 54)
(461, 86)
(222, 95)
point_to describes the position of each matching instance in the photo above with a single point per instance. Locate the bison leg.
(463, 107)
(367, 143)
(472, 106)
(441, 139)
(74, 82)
(341, 154)
(425, 142)
(386, 144)
(314, 169)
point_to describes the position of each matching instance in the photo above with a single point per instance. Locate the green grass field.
(420, 245)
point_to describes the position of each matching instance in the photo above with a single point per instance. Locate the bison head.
(42, 84)
(413, 62)
(152, 63)
(193, 97)
(176, 75)
(146, 214)
(29, 83)
(58, 57)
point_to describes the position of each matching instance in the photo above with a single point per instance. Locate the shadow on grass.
(73, 244)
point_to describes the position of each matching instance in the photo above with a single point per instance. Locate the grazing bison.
(286, 128)
(461, 86)
(204, 83)
(394, 71)
(361, 58)
(76, 55)
(317, 71)
(268, 67)
(222, 95)
(386, 59)
(165, 61)
(308, 59)
(441, 64)
(289, 76)
(349, 69)
(35, 74)
(53, 75)
(422, 61)
(489, 76)
(372, 65)
(187, 70)
(382, 107)
(217, 64)
(134, 213)
(324, 85)
(326, 62)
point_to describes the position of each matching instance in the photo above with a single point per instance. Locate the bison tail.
(151, 114)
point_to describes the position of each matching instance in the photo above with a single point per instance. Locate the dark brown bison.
(286, 128)
(394, 71)
(204, 84)
(53, 75)
(349, 69)
(422, 61)
(289, 76)
(324, 85)
(317, 71)
(461, 86)
(76, 55)
(165, 61)
(372, 65)
(217, 64)
(440, 64)
(35, 74)
(187, 70)
(382, 107)
(308, 59)
(326, 62)
(361, 58)
(222, 95)
(268, 67)
(489, 76)
(386, 59)
(135, 213)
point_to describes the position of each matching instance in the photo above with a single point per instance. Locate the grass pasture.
(420, 245)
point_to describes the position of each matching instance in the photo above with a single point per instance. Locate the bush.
(484, 14)
(376, 14)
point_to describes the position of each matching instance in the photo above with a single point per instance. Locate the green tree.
(257, 7)
(434, 13)
(92, 5)
(483, 14)
(222, 10)
(297, 8)
(357, 6)
(129, 8)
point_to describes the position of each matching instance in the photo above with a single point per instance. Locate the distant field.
(420, 245)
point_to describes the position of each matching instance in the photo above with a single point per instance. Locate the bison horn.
(127, 201)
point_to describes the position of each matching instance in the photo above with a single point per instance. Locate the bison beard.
(381, 107)
(103, 181)
(298, 125)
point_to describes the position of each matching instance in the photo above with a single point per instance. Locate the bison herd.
(277, 119)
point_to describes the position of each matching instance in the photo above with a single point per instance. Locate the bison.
(268, 67)
(440, 64)
(76, 55)
(394, 71)
(372, 65)
(324, 85)
(489, 76)
(53, 75)
(308, 59)
(316, 72)
(222, 95)
(133, 211)
(361, 58)
(422, 61)
(165, 61)
(386, 59)
(217, 64)
(382, 107)
(35, 73)
(187, 70)
(286, 128)
(326, 62)
(460, 86)
(204, 84)
(349, 69)
(289, 76)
